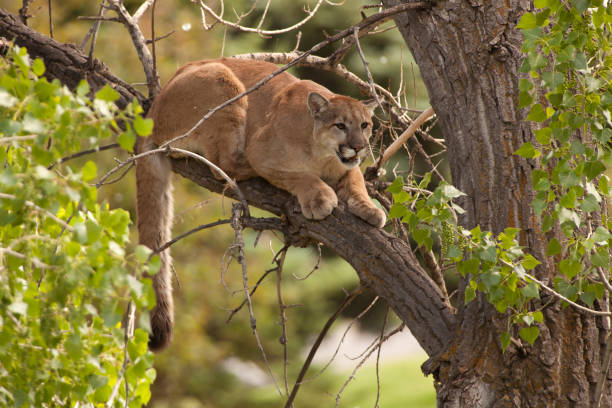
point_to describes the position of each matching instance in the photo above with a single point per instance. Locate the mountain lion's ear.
(370, 105)
(317, 103)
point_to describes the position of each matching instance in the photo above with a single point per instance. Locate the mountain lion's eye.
(364, 125)
(341, 126)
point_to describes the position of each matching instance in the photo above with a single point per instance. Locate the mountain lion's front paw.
(367, 212)
(319, 204)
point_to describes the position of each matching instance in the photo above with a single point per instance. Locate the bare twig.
(50, 19)
(313, 350)
(397, 144)
(258, 30)
(82, 153)
(604, 279)
(119, 177)
(140, 43)
(24, 11)
(560, 296)
(367, 68)
(161, 37)
(17, 138)
(153, 37)
(283, 316)
(239, 242)
(382, 334)
(365, 358)
(191, 231)
(314, 268)
(346, 331)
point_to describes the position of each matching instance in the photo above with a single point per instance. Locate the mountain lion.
(296, 134)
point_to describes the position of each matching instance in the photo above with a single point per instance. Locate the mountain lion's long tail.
(155, 211)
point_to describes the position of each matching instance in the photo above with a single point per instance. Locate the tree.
(529, 157)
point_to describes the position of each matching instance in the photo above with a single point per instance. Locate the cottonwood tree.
(525, 114)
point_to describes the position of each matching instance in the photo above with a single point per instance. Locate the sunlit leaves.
(70, 271)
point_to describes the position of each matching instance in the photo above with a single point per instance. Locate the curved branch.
(383, 262)
(258, 30)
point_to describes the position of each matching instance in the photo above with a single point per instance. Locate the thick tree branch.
(383, 262)
(64, 61)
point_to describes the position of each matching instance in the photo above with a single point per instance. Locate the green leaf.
(529, 262)
(553, 79)
(469, 266)
(83, 88)
(580, 62)
(538, 316)
(527, 21)
(603, 185)
(527, 151)
(554, 247)
(529, 334)
(530, 290)
(107, 94)
(398, 211)
(525, 99)
(580, 5)
(601, 257)
(593, 168)
(450, 191)
(89, 171)
(396, 186)
(504, 338)
(143, 127)
(38, 67)
(568, 200)
(570, 267)
(537, 113)
(543, 135)
(601, 234)
(127, 140)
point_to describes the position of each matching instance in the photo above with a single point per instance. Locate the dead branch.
(365, 358)
(397, 144)
(25, 10)
(139, 41)
(191, 231)
(367, 69)
(258, 30)
(239, 242)
(315, 346)
(282, 307)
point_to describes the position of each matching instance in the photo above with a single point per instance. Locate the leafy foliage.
(568, 94)
(65, 272)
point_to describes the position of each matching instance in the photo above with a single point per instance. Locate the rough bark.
(468, 52)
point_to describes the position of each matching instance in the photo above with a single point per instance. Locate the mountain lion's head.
(342, 125)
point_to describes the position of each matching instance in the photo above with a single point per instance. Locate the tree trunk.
(469, 54)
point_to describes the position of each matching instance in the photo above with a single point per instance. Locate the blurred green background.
(212, 363)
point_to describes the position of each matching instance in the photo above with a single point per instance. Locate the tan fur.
(296, 134)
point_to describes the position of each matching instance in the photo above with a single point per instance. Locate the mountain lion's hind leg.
(353, 191)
